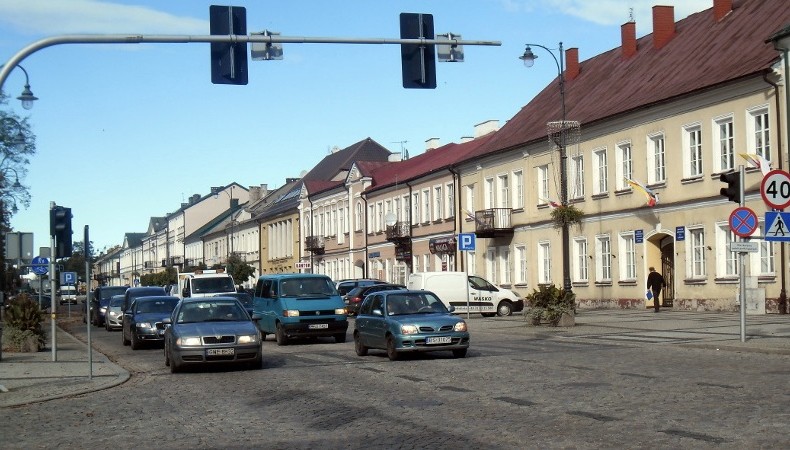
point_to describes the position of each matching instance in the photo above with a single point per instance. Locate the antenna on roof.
(404, 152)
(630, 14)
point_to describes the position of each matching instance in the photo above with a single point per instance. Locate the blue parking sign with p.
(466, 241)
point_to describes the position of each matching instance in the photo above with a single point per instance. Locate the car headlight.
(408, 329)
(460, 326)
(103, 309)
(188, 341)
(340, 311)
(291, 313)
(144, 325)
(247, 339)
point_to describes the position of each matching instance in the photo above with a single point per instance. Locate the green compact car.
(403, 321)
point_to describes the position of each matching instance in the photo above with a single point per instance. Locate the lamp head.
(27, 98)
(528, 57)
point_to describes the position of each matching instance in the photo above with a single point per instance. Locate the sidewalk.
(34, 377)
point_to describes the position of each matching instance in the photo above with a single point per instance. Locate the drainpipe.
(312, 233)
(365, 234)
(457, 221)
(411, 241)
(782, 255)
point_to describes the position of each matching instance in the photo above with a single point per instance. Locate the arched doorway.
(660, 253)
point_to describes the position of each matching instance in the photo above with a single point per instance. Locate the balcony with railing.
(493, 223)
(314, 244)
(401, 231)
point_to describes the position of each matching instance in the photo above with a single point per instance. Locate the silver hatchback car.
(113, 317)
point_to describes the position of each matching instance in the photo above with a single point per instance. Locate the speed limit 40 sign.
(775, 189)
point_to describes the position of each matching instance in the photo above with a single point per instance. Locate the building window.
(491, 272)
(504, 265)
(518, 189)
(543, 184)
(471, 263)
(759, 129)
(624, 165)
(470, 199)
(580, 256)
(438, 199)
(358, 217)
(450, 209)
(696, 248)
(426, 205)
(723, 131)
(656, 160)
(600, 177)
(726, 261)
(504, 192)
(521, 264)
(577, 177)
(692, 142)
(544, 262)
(371, 217)
(415, 208)
(763, 263)
(603, 259)
(488, 199)
(627, 256)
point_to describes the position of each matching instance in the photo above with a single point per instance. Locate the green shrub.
(549, 303)
(24, 341)
(23, 323)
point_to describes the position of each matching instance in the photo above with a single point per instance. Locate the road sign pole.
(742, 261)
(54, 308)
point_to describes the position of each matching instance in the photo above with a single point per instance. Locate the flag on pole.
(652, 197)
(757, 161)
(551, 203)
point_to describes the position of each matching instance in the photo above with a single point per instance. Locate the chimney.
(234, 203)
(628, 38)
(663, 25)
(194, 199)
(721, 8)
(465, 139)
(571, 63)
(483, 128)
(255, 194)
(431, 143)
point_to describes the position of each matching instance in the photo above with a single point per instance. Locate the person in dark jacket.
(655, 282)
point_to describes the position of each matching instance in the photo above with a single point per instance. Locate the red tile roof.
(703, 53)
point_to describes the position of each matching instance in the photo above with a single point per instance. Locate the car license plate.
(318, 326)
(220, 351)
(438, 340)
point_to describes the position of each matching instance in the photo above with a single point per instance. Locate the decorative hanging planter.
(566, 215)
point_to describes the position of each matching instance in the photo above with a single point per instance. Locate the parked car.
(355, 296)
(147, 291)
(244, 298)
(211, 330)
(343, 286)
(402, 321)
(113, 318)
(143, 321)
(100, 299)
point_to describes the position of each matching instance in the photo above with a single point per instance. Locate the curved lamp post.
(529, 59)
(26, 97)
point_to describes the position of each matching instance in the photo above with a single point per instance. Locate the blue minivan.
(299, 305)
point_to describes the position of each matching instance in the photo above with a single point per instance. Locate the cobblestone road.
(510, 392)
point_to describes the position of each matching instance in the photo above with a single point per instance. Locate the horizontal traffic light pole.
(231, 39)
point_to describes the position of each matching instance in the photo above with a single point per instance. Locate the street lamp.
(529, 59)
(26, 97)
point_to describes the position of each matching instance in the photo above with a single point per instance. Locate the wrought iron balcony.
(314, 244)
(494, 222)
(401, 231)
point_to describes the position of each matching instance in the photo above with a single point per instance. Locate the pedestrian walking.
(655, 282)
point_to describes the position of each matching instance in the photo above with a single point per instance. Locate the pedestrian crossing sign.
(776, 226)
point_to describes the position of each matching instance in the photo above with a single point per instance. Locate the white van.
(468, 293)
(68, 294)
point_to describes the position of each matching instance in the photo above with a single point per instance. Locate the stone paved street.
(514, 390)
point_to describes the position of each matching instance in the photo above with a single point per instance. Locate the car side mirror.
(185, 292)
(256, 317)
(451, 308)
(377, 312)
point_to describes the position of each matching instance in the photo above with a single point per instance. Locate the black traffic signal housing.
(60, 228)
(733, 189)
(228, 61)
(418, 62)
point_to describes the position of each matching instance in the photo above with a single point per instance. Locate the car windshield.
(116, 301)
(306, 287)
(148, 292)
(414, 303)
(212, 285)
(156, 306)
(109, 292)
(211, 311)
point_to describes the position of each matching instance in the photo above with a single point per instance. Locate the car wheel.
(460, 353)
(359, 347)
(135, 341)
(175, 366)
(107, 326)
(488, 314)
(167, 356)
(392, 353)
(279, 335)
(123, 338)
(505, 308)
(340, 338)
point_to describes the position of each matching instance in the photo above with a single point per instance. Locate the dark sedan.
(355, 296)
(211, 331)
(144, 320)
(244, 298)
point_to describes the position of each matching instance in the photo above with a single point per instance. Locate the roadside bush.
(548, 303)
(23, 331)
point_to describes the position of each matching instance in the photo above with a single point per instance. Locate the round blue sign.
(743, 221)
(40, 265)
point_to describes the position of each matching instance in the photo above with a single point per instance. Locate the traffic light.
(228, 61)
(418, 62)
(60, 227)
(733, 189)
